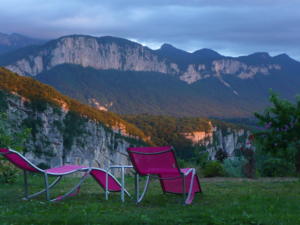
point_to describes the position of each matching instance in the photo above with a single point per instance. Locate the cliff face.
(226, 138)
(102, 53)
(225, 67)
(58, 137)
(115, 53)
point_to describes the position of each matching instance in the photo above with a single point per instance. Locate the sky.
(231, 27)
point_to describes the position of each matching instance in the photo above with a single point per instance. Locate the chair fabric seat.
(159, 171)
(65, 169)
(100, 176)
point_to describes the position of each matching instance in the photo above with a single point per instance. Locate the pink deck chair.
(106, 180)
(160, 162)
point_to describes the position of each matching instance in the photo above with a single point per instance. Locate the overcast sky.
(231, 27)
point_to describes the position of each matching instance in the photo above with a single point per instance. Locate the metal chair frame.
(182, 175)
(46, 174)
(122, 184)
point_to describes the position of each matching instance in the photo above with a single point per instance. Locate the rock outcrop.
(99, 53)
(59, 137)
(227, 139)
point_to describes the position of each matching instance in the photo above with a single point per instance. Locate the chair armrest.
(121, 166)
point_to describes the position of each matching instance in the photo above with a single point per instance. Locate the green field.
(224, 201)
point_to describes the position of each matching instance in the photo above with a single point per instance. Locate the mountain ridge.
(203, 77)
(121, 54)
(14, 41)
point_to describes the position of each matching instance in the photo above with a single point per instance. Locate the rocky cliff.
(218, 137)
(99, 53)
(115, 53)
(59, 137)
(62, 129)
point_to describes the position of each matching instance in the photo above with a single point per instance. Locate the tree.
(280, 136)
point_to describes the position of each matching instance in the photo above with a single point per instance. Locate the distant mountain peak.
(283, 56)
(167, 46)
(174, 54)
(11, 42)
(170, 48)
(206, 52)
(261, 55)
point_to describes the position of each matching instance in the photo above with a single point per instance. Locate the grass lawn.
(224, 201)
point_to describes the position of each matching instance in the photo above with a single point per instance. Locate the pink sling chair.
(106, 180)
(160, 162)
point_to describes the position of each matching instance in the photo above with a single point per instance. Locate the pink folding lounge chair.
(106, 180)
(160, 162)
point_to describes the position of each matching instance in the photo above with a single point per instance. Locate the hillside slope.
(31, 89)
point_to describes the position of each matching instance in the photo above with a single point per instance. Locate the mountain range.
(10, 42)
(119, 75)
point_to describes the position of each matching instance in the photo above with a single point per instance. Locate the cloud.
(229, 26)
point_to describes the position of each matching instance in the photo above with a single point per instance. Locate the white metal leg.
(140, 198)
(46, 187)
(106, 185)
(123, 184)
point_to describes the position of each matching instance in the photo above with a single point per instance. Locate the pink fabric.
(65, 169)
(99, 176)
(173, 172)
(165, 166)
(4, 150)
(144, 164)
(176, 185)
(18, 160)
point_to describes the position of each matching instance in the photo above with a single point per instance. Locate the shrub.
(213, 169)
(8, 172)
(277, 167)
(280, 137)
(249, 168)
(181, 162)
(221, 155)
(233, 167)
(202, 160)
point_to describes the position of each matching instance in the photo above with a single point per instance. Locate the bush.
(8, 172)
(213, 169)
(221, 155)
(202, 160)
(233, 167)
(276, 167)
(249, 168)
(181, 163)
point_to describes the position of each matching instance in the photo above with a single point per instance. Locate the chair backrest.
(19, 160)
(153, 160)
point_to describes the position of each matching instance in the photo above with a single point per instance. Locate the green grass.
(224, 201)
